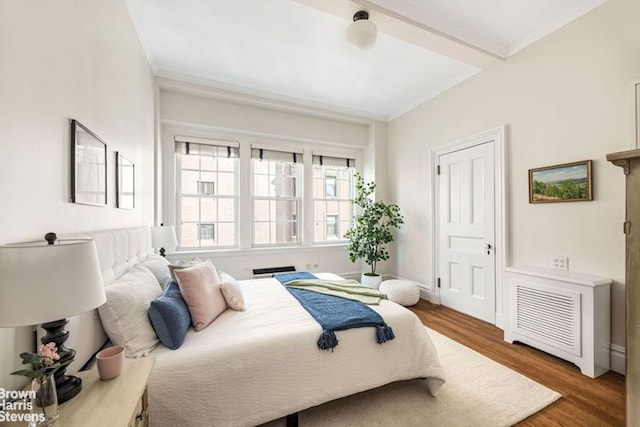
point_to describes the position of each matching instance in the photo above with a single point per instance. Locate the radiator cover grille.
(549, 315)
(268, 271)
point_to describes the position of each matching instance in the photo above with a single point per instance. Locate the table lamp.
(163, 237)
(45, 283)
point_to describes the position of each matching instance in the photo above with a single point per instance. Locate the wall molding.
(618, 359)
(181, 83)
(429, 295)
(426, 291)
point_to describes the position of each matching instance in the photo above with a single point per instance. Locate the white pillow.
(124, 315)
(159, 266)
(231, 292)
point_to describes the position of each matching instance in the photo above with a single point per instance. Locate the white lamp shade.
(42, 283)
(362, 34)
(164, 237)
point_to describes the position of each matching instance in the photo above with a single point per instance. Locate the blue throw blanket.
(335, 313)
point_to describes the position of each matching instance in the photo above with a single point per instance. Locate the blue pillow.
(170, 317)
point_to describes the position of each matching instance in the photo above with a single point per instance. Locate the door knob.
(488, 248)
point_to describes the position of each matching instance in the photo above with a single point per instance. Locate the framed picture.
(125, 182)
(88, 166)
(569, 182)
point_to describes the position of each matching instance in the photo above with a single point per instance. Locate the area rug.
(478, 392)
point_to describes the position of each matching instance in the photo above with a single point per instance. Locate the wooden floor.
(584, 402)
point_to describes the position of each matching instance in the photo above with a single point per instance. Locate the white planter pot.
(371, 281)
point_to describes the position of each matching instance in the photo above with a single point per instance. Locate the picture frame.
(567, 182)
(125, 182)
(88, 166)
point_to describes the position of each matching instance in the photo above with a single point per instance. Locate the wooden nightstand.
(120, 402)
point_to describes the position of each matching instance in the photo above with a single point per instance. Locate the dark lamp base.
(66, 386)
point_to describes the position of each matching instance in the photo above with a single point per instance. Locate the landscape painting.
(569, 182)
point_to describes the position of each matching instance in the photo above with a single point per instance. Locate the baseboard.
(500, 321)
(618, 359)
(425, 293)
(429, 295)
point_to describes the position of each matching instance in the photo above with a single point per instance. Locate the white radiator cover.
(562, 313)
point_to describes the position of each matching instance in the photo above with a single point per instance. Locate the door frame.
(498, 136)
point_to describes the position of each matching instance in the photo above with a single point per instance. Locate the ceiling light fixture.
(361, 33)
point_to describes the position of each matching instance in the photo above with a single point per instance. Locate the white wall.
(187, 109)
(60, 60)
(240, 264)
(187, 105)
(566, 98)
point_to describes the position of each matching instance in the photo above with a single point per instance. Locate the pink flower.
(49, 353)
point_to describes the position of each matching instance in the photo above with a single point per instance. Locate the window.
(333, 189)
(206, 188)
(238, 194)
(332, 227)
(330, 185)
(206, 232)
(206, 181)
(276, 177)
(294, 225)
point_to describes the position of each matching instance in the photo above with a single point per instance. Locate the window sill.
(234, 252)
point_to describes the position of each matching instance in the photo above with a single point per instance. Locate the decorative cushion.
(173, 268)
(159, 266)
(231, 292)
(200, 288)
(124, 315)
(402, 292)
(179, 265)
(170, 317)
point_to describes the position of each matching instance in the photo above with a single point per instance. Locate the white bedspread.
(250, 367)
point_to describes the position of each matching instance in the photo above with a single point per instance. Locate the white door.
(466, 230)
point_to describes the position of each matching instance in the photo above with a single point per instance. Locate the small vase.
(44, 402)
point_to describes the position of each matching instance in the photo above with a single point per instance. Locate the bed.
(250, 367)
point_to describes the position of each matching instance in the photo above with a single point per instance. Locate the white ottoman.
(402, 292)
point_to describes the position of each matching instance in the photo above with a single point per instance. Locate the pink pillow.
(200, 288)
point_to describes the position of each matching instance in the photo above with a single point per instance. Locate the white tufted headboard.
(118, 251)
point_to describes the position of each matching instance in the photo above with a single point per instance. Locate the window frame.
(332, 198)
(298, 183)
(177, 161)
(169, 209)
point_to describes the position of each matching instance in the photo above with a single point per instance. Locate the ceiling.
(296, 51)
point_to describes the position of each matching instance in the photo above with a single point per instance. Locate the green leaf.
(373, 227)
(27, 373)
(31, 358)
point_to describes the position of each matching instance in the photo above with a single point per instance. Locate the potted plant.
(371, 230)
